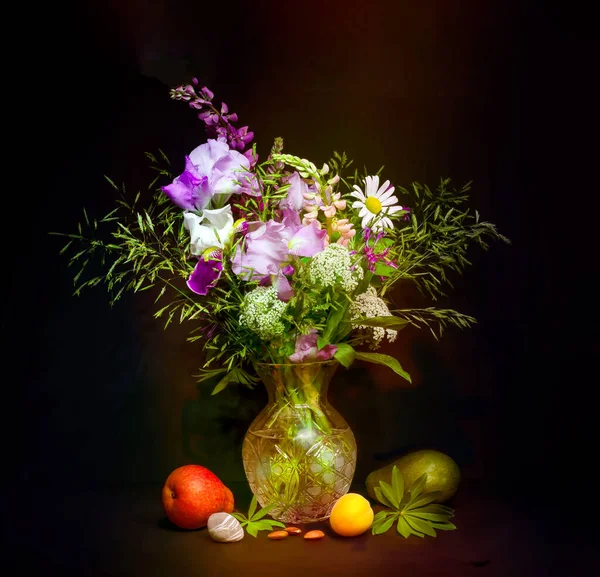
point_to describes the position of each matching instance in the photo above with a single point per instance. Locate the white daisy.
(376, 203)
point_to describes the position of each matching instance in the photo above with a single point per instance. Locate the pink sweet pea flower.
(307, 349)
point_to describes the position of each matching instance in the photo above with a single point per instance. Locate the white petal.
(385, 195)
(219, 217)
(389, 201)
(371, 185)
(393, 209)
(367, 219)
(358, 204)
(383, 187)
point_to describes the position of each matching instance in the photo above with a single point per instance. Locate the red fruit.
(191, 494)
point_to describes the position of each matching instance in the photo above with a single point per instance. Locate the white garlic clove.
(224, 528)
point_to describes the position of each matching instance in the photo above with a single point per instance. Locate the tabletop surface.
(123, 532)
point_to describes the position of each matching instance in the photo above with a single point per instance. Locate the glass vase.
(299, 453)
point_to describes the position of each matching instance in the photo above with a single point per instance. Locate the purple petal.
(308, 241)
(190, 190)
(301, 356)
(326, 353)
(284, 289)
(265, 248)
(205, 276)
(295, 199)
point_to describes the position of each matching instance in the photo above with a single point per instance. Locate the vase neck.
(297, 383)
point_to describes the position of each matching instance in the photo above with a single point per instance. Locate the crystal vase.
(299, 453)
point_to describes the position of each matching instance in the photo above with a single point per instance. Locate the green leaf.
(262, 512)
(389, 494)
(235, 375)
(240, 517)
(334, 320)
(382, 498)
(252, 530)
(429, 516)
(418, 485)
(439, 509)
(381, 359)
(381, 516)
(388, 322)
(266, 524)
(403, 528)
(345, 354)
(446, 526)
(398, 484)
(252, 507)
(423, 499)
(420, 525)
(384, 525)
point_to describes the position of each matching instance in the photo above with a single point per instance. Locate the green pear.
(443, 474)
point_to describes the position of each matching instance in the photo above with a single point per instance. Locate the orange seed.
(316, 534)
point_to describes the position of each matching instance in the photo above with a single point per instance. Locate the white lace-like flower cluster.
(261, 312)
(333, 267)
(368, 305)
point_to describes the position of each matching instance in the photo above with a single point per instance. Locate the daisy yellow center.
(373, 205)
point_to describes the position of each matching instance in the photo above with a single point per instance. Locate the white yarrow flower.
(368, 305)
(262, 311)
(332, 267)
(375, 203)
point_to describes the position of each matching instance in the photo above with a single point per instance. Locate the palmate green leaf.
(252, 508)
(387, 490)
(381, 516)
(418, 485)
(262, 512)
(403, 528)
(420, 525)
(384, 525)
(422, 500)
(382, 498)
(437, 517)
(398, 483)
(439, 509)
(265, 524)
(445, 526)
(414, 510)
(253, 522)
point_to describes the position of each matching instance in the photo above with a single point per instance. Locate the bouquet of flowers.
(280, 261)
(283, 271)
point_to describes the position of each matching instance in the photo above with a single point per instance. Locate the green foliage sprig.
(413, 511)
(255, 521)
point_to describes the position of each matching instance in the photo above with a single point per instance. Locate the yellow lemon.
(351, 515)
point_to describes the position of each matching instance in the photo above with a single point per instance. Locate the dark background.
(483, 91)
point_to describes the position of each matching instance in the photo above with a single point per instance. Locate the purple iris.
(211, 170)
